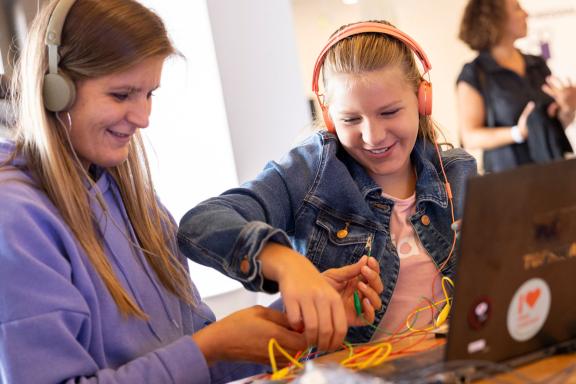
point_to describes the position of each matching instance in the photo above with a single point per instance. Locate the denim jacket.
(303, 200)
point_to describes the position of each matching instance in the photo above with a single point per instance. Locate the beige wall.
(435, 26)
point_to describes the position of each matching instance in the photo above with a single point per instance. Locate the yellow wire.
(350, 348)
(383, 351)
(449, 280)
(447, 299)
(379, 352)
(282, 373)
(415, 312)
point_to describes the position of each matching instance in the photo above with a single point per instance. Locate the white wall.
(261, 81)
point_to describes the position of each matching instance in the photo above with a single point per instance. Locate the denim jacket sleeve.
(229, 231)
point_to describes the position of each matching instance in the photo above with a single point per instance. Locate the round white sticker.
(528, 309)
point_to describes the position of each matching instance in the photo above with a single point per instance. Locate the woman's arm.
(471, 117)
(244, 336)
(56, 315)
(48, 330)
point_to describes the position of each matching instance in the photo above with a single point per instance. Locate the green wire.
(357, 303)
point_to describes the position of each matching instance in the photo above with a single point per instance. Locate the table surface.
(557, 369)
(421, 351)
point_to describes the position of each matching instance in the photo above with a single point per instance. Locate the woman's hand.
(564, 95)
(244, 336)
(363, 276)
(563, 92)
(523, 119)
(311, 303)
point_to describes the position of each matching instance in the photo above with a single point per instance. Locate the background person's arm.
(471, 118)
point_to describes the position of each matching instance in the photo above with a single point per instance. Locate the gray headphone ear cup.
(59, 92)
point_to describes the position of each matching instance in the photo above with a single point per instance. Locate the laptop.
(514, 299)
(515, 280)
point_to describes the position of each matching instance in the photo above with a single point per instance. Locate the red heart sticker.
(532, 297)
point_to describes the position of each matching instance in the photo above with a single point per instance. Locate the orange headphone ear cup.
(327, 119)
(425, 98)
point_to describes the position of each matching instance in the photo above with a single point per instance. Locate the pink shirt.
(416, 276)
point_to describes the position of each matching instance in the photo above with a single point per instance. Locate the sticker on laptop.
(528, 309)
(480, 312)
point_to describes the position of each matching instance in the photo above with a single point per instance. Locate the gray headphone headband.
(54, 32)
(58, 91)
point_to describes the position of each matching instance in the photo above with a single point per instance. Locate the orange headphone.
(425, 88)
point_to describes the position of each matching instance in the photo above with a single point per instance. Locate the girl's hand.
(363, 276)
(311, 303)
(244, 336)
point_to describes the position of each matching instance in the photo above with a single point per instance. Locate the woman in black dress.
(499, 89)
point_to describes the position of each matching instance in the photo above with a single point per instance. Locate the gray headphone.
(59, 91)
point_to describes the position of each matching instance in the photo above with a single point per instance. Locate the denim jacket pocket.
(335, 242)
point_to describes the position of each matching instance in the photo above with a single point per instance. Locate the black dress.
(505, 96)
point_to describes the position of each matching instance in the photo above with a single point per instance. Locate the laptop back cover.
(515, 286)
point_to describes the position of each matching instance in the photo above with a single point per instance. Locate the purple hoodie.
(59, 324)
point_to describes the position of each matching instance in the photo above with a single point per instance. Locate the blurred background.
(241, 96)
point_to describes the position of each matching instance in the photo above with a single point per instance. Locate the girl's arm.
(244, 234)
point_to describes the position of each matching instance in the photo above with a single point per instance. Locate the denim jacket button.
(245, 266)
(342, 233)
(425, 220)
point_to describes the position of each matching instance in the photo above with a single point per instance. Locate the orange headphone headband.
(425, 88)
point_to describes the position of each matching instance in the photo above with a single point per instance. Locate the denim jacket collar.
(429, 186)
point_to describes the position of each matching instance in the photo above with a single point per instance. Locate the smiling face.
(110, 109)
(376, 119)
